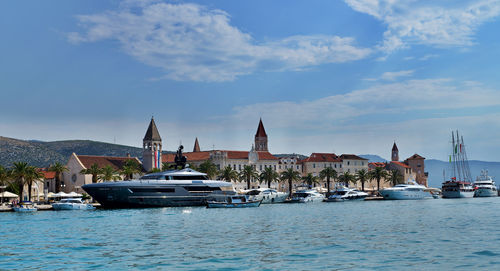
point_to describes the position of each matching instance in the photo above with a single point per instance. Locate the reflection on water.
(428, 234)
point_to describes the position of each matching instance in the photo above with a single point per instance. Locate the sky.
(350, 76)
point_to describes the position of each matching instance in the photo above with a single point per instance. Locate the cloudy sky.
(348, 76)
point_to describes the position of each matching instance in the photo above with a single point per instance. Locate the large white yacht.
(267, 195)
(485, 186)
(408, 191)
(307, 196)
(72, 204)
(345, 193)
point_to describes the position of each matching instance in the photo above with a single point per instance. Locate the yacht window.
(201, 188)
(153, 177)
(152, 190)
(191, 177)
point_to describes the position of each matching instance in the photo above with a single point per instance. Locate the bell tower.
(395, 153)
(151, 146)
(261, 138)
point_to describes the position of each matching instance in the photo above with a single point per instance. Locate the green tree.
(310, 179)
(328, 173)
(268, 176)
(33, 175)
(4, 176)
(129, 168)
(378, 174)
(394, 177)
(228, 174)
(347, 178)
(209, 168)
(108, 173)
(58, 168)
(19, 173)
(362, 176)
(93, 170)
(290, 176)
(248, 173)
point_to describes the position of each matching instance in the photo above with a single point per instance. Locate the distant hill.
(42, 154)
(372, 158)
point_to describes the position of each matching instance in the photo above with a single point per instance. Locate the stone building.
(151, 146)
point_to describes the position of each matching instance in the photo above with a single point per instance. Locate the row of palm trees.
(269, 175)
(108, 173)
(21, 174)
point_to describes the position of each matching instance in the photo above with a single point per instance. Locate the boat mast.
(453, 155)
(466, 162)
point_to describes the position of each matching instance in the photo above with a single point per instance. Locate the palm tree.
(310, 179)
(248, 173)
(378, 174)
(347, 178)
(228, 174)
(268, 175)
(395, 177)
(108, 173)
(328, 173)
(362, 176)
(130, 167)
(4, 176)
(19, 173)
(94, 170)
(58, 168)
(290, 175)
(33, 175)
(209, 168)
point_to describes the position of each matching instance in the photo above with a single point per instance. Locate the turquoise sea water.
(437, 234)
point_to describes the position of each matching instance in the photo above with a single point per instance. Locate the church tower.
(395, 153)
(151, 146)
(261, 138)
(196, 147)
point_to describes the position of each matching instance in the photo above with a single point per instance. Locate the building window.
(234, 166)
(279, 166)
(297, 167)
(239, 167)
(362, 163)
(260, 167)
(274, 167)
(348, 163)
(314, 165)
(340, 166)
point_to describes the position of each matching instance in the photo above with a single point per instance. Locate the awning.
(8, 194)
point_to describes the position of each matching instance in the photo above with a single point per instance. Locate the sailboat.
(460, 183)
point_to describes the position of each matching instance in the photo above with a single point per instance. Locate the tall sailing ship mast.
(459, 185)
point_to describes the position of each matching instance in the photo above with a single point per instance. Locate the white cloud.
(391, 76)
(434, 23)
(193, 42)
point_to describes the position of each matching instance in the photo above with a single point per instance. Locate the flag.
(450, 158)
(456, 148)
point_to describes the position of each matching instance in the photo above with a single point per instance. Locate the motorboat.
(236, 201)
(459, 185)
(306, 196)
(485, 186)
(72, 204)
(25, 207)
(267, 195)
(409, 191)
(345, 193)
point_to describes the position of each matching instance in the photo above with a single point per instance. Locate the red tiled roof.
(351, 157)
(205, 155)
(322, 157)
(102, 161)
(47, 174)
(376, 164)
(400, 164)
(415, 156)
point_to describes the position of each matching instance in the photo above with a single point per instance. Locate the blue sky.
(347, 76)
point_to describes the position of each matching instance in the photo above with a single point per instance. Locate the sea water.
(429, 234)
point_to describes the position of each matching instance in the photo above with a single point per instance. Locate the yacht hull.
(485, 193)
(458, 194)
(124, 197)
(405, 195)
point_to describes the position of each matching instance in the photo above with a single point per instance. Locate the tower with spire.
(196, 147)
(395, 153)
(261, 138)
(151, 146)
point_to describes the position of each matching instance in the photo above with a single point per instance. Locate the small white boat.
(72, 204)
(485, 186)
(307, 196)
(237, 201)
(410, 190)
(25, 207)
(345, 193)
(267, 195)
